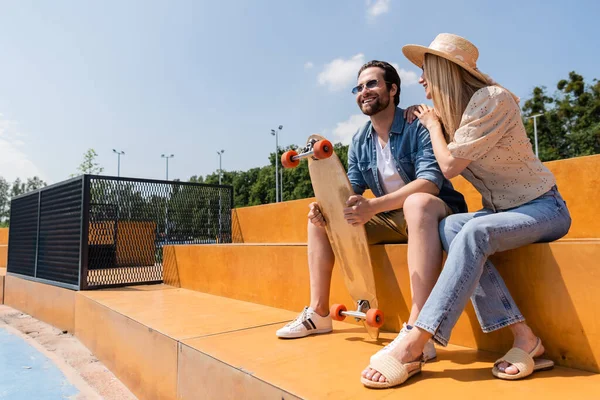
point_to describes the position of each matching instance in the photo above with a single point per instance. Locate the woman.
(476, 131)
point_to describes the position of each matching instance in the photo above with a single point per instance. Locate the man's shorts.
(389, 227)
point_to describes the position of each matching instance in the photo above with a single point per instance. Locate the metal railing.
(98, 231)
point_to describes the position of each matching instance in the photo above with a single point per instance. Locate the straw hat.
(451, 47)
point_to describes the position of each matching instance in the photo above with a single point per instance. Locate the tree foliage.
(89, 164)
(257, 185)
(570, 122)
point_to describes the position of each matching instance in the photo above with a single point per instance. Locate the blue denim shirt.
(412, 151)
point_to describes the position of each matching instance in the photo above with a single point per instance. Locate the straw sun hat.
(451, 47)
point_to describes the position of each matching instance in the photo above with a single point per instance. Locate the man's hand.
(409, 113)
(315, 216)
(359, 210)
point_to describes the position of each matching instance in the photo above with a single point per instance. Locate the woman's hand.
(427, 115)
(359, 210)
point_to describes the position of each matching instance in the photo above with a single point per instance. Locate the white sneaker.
(307, 323)
(428, 352)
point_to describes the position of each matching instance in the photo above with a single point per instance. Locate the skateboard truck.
(372, 316)
(317, 149)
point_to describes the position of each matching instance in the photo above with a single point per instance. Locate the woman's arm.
(450, 166)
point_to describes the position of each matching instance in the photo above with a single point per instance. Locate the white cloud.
(377, 7)
(407, 78)
(308, 65)
(340, 73)
(13, 162)
(344, 131)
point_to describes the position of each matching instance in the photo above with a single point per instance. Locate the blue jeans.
(469, 239)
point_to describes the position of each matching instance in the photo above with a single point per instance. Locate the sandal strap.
(393, 370)
(520, 359)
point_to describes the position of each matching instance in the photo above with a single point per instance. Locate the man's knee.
(421, 206)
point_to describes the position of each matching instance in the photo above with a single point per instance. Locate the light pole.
(220, 153)
(118, 153)
(276, 134)
(535, 139)
(167, 158)
(220, 239)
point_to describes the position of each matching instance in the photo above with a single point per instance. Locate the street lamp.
(276, 134)
(535, 131)
(118, 153)
(167, 158)
(220, 170)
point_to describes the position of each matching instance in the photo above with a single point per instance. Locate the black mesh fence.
(130, 220)
(97, 231)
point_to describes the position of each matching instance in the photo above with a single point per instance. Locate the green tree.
(570, 124)
(257, 185)
(89, 164)
(4, 202)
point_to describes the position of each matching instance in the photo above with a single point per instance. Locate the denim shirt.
(412, 151)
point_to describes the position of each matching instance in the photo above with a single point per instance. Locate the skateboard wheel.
(286, 159)
(375, 318)
(323, 149)
(336, 312)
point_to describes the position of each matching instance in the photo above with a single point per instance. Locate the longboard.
(350, 247)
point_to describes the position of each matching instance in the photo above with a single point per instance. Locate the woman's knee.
(450, 227)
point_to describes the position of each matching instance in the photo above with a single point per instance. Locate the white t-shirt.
(386, 166)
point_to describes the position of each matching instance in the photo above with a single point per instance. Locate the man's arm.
(395, 200)
(354, 175)
(429, 179)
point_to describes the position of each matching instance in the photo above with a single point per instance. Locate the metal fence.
(97, 231)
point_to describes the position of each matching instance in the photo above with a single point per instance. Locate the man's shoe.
(307, 323)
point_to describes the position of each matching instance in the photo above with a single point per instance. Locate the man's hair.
(390, 75)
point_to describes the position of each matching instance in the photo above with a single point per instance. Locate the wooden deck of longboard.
(332, 188)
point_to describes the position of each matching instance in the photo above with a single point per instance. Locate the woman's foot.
(407, 350)
(526, 344)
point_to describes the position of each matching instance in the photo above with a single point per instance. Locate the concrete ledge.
(47, 303)
(3, 236)
(2, 278)
(578, 181)
(3, 255)
(143, 359)
(555, 285)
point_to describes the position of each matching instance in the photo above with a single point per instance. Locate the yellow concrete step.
(4, 236)
(329, 366)
(554, 284)
(3, 255)
(167, 343)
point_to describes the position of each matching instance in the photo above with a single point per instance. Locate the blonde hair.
(451, 89)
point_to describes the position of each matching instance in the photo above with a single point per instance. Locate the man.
(395, 160)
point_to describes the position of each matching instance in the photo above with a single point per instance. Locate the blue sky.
(193, 77)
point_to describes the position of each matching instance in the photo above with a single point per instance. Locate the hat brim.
(416, 55)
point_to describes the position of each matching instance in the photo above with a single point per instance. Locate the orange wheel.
(323, 149)
(375, 318)
(286, 159)
(336, 312)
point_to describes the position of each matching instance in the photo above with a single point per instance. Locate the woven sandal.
(524, 362)
(393, 370)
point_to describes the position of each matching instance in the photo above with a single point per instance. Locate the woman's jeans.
(469, 239)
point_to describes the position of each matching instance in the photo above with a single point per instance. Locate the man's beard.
(375, 106)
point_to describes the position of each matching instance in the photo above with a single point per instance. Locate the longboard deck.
(350, 247)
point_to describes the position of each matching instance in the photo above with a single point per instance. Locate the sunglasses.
(372, 84)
